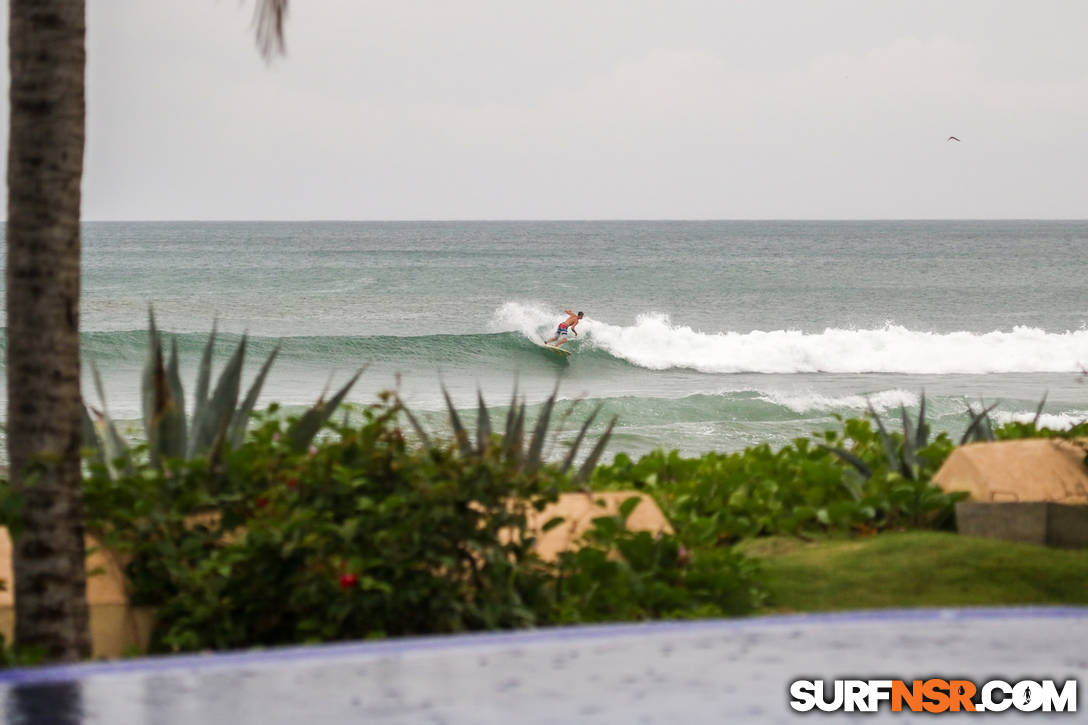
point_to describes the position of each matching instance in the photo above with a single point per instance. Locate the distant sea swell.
(754, 332)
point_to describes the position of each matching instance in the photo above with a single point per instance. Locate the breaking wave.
(655, 342)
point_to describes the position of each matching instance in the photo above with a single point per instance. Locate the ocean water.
(698, 335)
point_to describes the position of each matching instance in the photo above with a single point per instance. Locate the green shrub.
(853, 479)
(1017, 429)
(653, 577)
(364, 535)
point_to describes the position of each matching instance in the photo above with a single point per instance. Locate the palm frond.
(268, 22)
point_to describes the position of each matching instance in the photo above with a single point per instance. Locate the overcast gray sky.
(557, 109)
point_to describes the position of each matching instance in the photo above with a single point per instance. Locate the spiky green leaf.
(90, 436)
(204, 372)
(1039, 411)
(573, 452)
(889, 444)
(459, 432)
(511, 413)
(973, 432)
(985, 426)
(590, 463)
(540, 432)
(302, 432)
(483, 424)
(203, 382)
(98, 386)
(163, 417)
(147, 383)
(908, 441)
(420, 431)
(114, 447)
(513, 443)
(171, 421)
(241, 416)
(854, 460)
(921, 435)
(211, 431)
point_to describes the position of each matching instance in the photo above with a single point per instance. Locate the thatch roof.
(1035, 469)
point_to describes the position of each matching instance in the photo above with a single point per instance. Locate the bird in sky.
(953, 138)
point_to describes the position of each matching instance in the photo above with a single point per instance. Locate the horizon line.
(584, 219)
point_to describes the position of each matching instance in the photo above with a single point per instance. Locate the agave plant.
(981, 428)
(513, 448)
(217, 419)
(902, 459)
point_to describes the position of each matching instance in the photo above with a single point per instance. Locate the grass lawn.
(915, 569)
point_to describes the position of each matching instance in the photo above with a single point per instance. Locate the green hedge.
(364, 535)
(367, 535)
(804, 488)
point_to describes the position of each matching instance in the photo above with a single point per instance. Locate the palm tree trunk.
(45, 166)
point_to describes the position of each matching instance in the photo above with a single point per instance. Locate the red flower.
(292, 482)
(348, 581)
(261, 502)
(683, 556)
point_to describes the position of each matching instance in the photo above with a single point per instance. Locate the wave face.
(658, 400)
(424, 351)
(654, 342)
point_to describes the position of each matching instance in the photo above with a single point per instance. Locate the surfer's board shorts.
(562, 330)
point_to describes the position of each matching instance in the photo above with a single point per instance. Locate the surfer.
(567, 325)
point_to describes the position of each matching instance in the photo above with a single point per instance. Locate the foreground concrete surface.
(719, 671)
